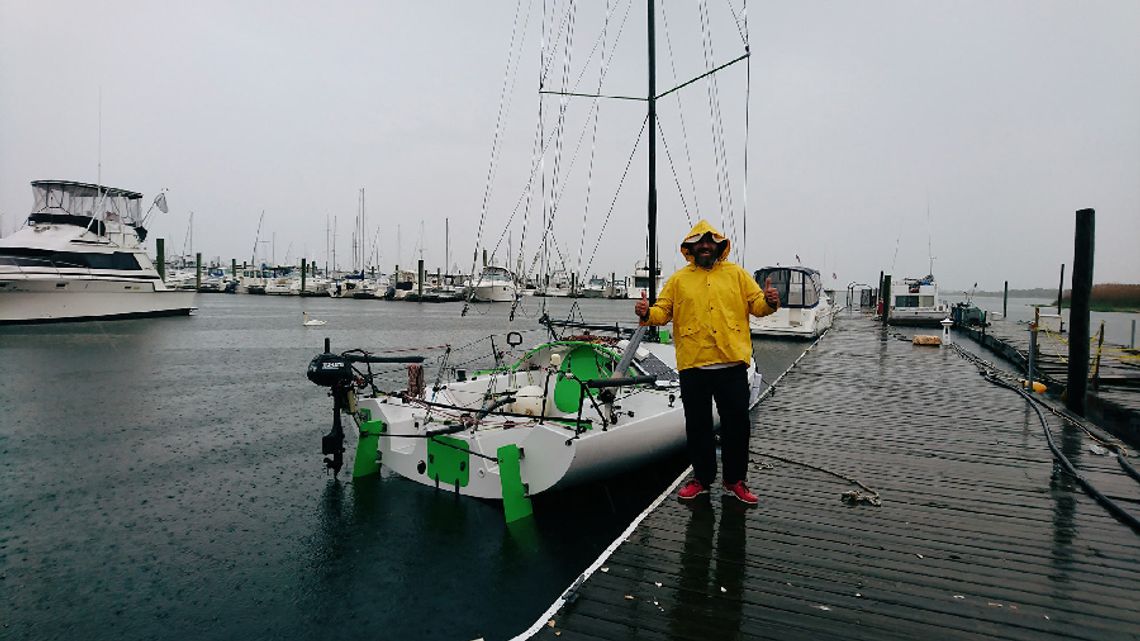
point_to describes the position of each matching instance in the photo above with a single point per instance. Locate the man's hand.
(771, 294)
(641, 307)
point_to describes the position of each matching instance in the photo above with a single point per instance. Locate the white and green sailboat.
(593, 401)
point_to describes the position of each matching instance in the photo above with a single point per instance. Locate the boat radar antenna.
(929, 245)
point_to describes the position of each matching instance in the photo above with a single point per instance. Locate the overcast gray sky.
(1001, 118)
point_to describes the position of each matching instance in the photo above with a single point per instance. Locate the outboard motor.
(336, 372)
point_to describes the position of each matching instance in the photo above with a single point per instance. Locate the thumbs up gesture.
(771, 294)
(642, 306)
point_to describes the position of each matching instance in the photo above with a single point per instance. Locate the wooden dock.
(974, 538)
(1114, 390)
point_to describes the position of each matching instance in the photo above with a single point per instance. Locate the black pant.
(729, 387)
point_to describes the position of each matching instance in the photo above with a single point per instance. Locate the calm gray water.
(162, 479)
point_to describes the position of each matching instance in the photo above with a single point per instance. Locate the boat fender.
(532, 401)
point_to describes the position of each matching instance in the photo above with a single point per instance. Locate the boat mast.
(652, 99)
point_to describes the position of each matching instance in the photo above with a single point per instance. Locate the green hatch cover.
(584, 362)
(449, 460)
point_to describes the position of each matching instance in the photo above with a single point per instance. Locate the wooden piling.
(1005, 302)
(304, 273)
(160, 257)
(1083, 251)
(1061, 289)
(233, 267)
(420, 278)
(885, 297)
(198, 271)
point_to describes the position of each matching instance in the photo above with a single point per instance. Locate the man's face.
(705, 252)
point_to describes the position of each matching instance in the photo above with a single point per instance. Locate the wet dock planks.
(974, 539)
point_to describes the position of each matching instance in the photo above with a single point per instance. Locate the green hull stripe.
(449, 462)
(516, 505)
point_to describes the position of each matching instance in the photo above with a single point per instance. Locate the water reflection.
(731, 560)
(1063, 490)
(710, 607)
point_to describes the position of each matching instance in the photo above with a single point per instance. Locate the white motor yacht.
(80, 256)
(495, 285)
(641, 280)
(914, 302)
(596, 287)
(806, 310)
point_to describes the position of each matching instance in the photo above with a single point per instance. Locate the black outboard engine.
(336, 372)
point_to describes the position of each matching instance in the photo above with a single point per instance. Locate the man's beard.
(705, 260)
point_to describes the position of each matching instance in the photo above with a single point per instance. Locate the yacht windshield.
(798, 286)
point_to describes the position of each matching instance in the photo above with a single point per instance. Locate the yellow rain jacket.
(709, 308)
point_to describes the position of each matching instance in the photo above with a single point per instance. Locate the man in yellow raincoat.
(709, 302)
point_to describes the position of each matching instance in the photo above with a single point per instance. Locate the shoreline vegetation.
(1106, 297)
(1110, 297)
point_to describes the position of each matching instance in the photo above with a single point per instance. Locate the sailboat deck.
(973, 539)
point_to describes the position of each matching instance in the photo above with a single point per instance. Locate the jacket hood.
(700, 229)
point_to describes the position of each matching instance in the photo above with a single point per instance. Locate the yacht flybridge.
(80, 257)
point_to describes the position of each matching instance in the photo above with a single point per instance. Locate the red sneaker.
(692, 490)
(740, 491)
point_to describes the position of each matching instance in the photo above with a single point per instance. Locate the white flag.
(160, 202)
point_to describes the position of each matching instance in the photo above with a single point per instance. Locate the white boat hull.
(70, 299)
(493, 294)
(650, 425)
(794, 323)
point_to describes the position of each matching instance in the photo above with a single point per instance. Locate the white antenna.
(929, 248)
(99, 152)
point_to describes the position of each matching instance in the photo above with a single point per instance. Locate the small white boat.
(596, 287)
(640, 287)
(495, 285)
(81, 256)
(806, 310)
(311, 322)
(914, 302)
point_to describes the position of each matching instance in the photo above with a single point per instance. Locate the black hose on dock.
(1108, 504)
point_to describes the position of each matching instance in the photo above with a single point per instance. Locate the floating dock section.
(976, 537)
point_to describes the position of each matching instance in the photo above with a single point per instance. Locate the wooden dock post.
(1083, 250)
(304, 273)
(198, 270)
(885, 298)
(420, 278)
(233, 267)
(160, 257)
(1132, 344)
(1032, 358)
(1061, 288)
(1005, 302)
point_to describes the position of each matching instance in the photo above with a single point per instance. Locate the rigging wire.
(724, 185)
(593, 144)
(538, 162)
(747, 130)
(504, 108)
(681, 116)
